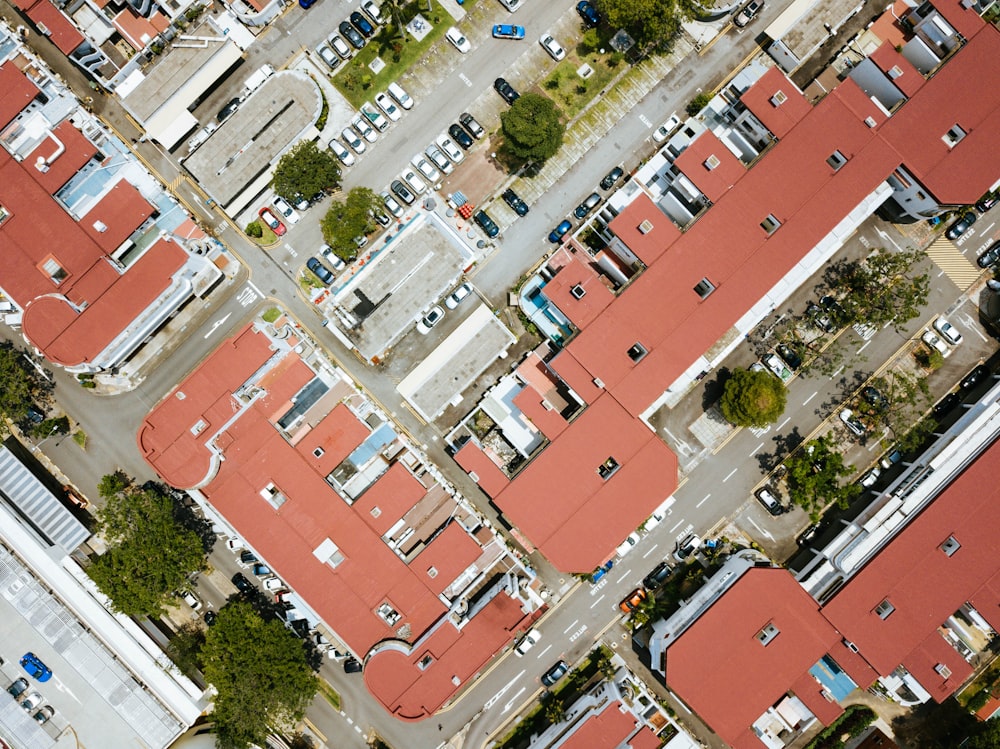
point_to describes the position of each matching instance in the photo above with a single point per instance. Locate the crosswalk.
(953, 263)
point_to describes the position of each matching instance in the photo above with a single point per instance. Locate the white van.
(402, 98)
(256, 80)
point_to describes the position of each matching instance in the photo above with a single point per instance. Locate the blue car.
(361, 24)
(307, 4)
(35, 668)
(560, 231)
(588, 13)
(506, 31)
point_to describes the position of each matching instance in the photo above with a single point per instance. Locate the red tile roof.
(118, 214)
(78, 151)
(447, 556)
(780, 119)
(887, 58)
(338, 434)
(658, 237)
(609, 728)
(473, 460)
(697, 163)
(389, 498)
(18, 92)
(60, 30)
(577, 272)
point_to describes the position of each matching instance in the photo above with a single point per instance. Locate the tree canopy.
(306, 170)
(347, 219)
(260, 672)
(651, 23)
(879, 289)
(813, 476)
(752, 398)
(20, 384)
(533, 128)
(149, 554)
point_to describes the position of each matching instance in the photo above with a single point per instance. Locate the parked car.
(771, 503)
(748, 13)
(417, 185)
(657, 576)
(402, 98)
(373, 11)
(402, 192)
(340, 46)
(425, 167)
(18, 688)
(242, 584)
(612, 177)
(370, 113)
(428, 321)
(667, 129)
(328, 56)
(461, 136)
(550, 45)
(191, 600)
(306, 4)
(988, 202)
(351, 34)
(33, 700)
(352, 666)
(592, 201)
(588, 13)
(380, 218)
(508, 31)
(320, 271)
(632, 601)
(456, 297)
(870, 477)
(229, 109)
(451, 150)
(387, 105)
(341, 152)
(778, 367)
(390, 203)
(990, 257)
(627, 545)
(853, 423)
(820, 318)
(946, 404)
(469, 123)
(530, 639)
(327, 255)
(935, 343)
(352, 139)
(247, 558)
(458, 40)
(808, 534)
(44, 714)
(487, 224)
(511, 5)
(961, 226)
(364, 128)
(977, 375)
(210, 618)
(891, 458)
(555, 673)
(948, 331)
(873, 397)
(285, 210)
(560, 231)
(268, 217)
(362, 24)
(272, 584)
(439, 159)
(512, 199)
(687, 547)
(792, 359)
(506, 91)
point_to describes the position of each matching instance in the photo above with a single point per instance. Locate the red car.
(272, 221)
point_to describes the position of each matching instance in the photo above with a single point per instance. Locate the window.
(4, 213)
(54, 270)
(953, 136)
(318, 452)
(577, 291)
(425, 662)
(646, 227)
(607, 469)
(943, 671)
(199, 427)
(712, 162)
(273, 495)
(836, 160)
(767, 634)
(704, 287)
(884, 609)
(950, 546)
(637, 352)
(432, 572)
(388, 614)
(895, 71)
(770, 224)
(779, 98)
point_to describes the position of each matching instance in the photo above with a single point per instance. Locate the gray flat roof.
(399, 284)
(267, 122)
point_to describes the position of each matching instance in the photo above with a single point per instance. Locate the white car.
(414, 182)
(439, 159)
(429, 320)
(191, 600)
(935, 343)
(402, 98)
(282, 207)
(451, 150)
(352, 139)
(424, 167)
(456, 297)
(272, 584)
(392, 204)
(687, 547)
(234, 545)
(853, 423)
(330, 57)
(458, 40)
(626, 546)
(550, 45)
(527, 642)
(372, 10)
(341, 152)
(374, 116)
(326, 252)
(364, 128)
(340, 46)
(947, 331)
(667, 129)
(386, 105)
(511, 5)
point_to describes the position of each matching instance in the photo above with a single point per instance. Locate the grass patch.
(330, 694)
(571, 92)
(271, 315)
(357, 82)
(308, 281)
(80, 438)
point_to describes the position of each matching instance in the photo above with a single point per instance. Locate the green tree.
(48, 427)
(814, 477)
(752, 399)
(185, 647)
(987, 736)
(113, 483)
(652, 23)
(880, 289)
(348, 219)
(698, 103)
(260, 672)
(149, 555)
(255, 230)
(533, 128)
(20, 383)
(555, 711)
(306, 170)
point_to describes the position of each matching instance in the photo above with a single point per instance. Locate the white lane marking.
(677, 526)
(216, 324)
(465, 79)
(730, 475)
(839, 370)
(750, 520)
(645, 120)
(510, 704)
(651, 550)
(751, 455)
(865, 346)
(704, 500)
(492, 700)
(575, 622)
(787, 419)
(547, 648)
(806, 401)
(625, 574)
(597, 601)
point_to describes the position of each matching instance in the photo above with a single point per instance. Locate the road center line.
(806, 401)
(705, 498)
(751, 455)
(839, 370)
(575, 622)
(594, 604)
(729, 476)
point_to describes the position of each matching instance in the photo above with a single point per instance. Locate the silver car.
(451, 150)
(328, 55)
(392, 205)
(364, 128)
(423, 166)
(340, 150)
(352, 139)
(386, 105)
(439, 159)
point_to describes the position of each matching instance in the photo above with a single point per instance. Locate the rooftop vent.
(870, 121)
(100, 226)
(712, 162)
(779, 98)
(645, 227)
(895, 71)
(767, 634)
(577, 291)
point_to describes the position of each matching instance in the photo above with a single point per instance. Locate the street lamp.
(34, 448)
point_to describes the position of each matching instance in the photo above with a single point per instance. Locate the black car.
(402, 192)
(990, 257)
(793, 360)
(512, 199)
(352, 666)
(588, 13)
(469, 123)
(357, 41)
(229, 110)
(657, 576)
(506, 91)
(820, 318)
(18, 687)
(210, 618)
(808, 534)
(946, 404)
(873, 397)
(242, 584)
(487, 224)
(587, 205)
(974, 377)
(961, 226)
(460, 136)
(611, 177)
(555, 673)
(362, 24)
(323, 274)
(988, 202)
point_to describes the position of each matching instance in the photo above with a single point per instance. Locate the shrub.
(254, 229)
(698, 103)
